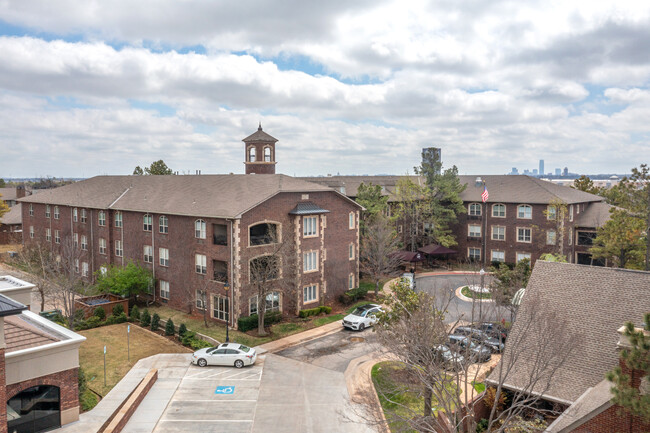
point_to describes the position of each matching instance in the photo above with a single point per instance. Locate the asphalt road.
(443, 288)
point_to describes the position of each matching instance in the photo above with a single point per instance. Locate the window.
(84, 269)
(102, 246)
(523, 234)
(522, 256)
(351, 281)
(199, 229)
(163, 224)
(550, 237)
(34, 409)
(147, 223)
(76, 265)
(201, 299)
(251, 154)
(263, 234)
(475, 209)
(272, 303)
(498, 256)
(498, 233)
(499, 210)
(47, 211)
(148, 254)
(163, 256)
(310, 261)
(551, 212)
(219, 234)
(571, 213)
(586, 238)
(351, 252)
(31, 232)
(103, 269)
(474, 231)
(264, 268)
(200, 261)
(524, 211)
(118, 248)
(220, 308)
(75, 237)
(309, 294)
(267, 154)
(474, 253)
(101, 218)
(84, 242)
(83, 215)
(31, 210)
(164, 289)
(219, 271)
(310, 226)
(57, 237)
(351, 221)
(56, 212)
(118, 219)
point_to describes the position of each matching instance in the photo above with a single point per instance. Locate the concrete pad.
(203, 427)
(209, 410)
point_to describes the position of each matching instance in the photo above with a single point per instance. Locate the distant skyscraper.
(526, 172)
(566, 171)
(541, 167)
(558, 171)
(514, 170)
(534, 172)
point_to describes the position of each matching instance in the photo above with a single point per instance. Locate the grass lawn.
(471, 294)
(399, 399)
(218, 331)
(142, 344)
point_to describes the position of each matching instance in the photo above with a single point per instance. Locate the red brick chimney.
(20, 191)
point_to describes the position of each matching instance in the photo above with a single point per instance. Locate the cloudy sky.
(350, 87)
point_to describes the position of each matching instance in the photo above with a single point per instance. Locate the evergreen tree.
(620, 240)
(370, 197)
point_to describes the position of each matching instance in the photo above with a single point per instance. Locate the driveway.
(443, 288)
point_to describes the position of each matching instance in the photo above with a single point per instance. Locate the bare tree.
(378, 246)
(36, 259)
(265, 273)
(413, 331)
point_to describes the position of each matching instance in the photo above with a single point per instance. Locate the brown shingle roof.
(502, 188)
(595, 302)
(8, 193)
(259, 135)
(595, 215)
(14, 216)
(21, 335)
(225, 196)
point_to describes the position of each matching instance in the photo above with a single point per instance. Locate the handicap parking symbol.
(225, 390)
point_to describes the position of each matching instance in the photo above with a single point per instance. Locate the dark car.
(448, 358)
(468, 348)
(495, 330)
(481, 337)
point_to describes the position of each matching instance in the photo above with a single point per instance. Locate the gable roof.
(594, 302)
(8, 193)
(14, 216)
(595, 215)
(9, 307)
(224, 196)
(501, 188)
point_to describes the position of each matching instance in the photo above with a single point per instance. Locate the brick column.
(3, 380)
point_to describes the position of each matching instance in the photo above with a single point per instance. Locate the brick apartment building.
(201, 233)
(518, 221)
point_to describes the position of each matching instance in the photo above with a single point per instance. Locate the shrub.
(197, 344)
(112, 319)
(169, 328)
(250, 322)
(155, 322)
(490, 399)
(482, 425)
(92, 322)
(135, 313)
(118, 309)
(353, 295)
(325, 309)
(182, 330)
(145, 318)
(99, 312)
(309, 312)
(187, 338)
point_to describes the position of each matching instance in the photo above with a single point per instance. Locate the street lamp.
(480, 305)
(226, 287)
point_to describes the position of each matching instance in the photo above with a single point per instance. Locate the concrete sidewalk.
(301, 337)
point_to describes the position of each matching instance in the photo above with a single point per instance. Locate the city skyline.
(90, 89)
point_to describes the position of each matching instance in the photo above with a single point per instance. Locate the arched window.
(267, 154)
(199, 229)
(147, 222)
(163, 224)
(524, 211)
(35, 409)
(499, 210)
(251, 154)
(263, 234)
(475, 209)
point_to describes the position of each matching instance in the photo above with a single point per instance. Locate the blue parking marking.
(225, 390)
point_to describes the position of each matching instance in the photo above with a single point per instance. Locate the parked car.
(495, 330)
(468, 348)
(234, 354)
(481, 337)
(409, 277)
(362, 317)
(450, 359)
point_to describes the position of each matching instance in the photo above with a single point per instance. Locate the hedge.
(314, 311)
(250, 322)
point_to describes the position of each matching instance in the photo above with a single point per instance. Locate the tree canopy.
(584, 183)
(621, 240)
(156, 168)
(3, 207)
(370, 197)
(128, 281)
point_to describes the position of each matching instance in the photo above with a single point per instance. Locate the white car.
(225, 354)
(362, 317)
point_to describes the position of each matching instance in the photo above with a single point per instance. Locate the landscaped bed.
(466, 291)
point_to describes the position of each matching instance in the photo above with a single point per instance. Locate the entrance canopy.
(409, 256)
(436, 250)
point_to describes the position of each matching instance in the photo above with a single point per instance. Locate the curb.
(301, 337)
(466, 299)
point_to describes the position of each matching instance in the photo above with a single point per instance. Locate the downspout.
(231, 280)
(153, 262)
(92, 245)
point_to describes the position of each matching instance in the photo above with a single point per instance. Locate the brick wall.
(613, 420)
(3, 392)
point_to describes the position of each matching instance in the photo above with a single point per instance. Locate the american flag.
(485, 194)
